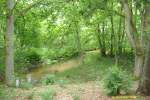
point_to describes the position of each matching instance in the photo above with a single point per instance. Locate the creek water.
(40, 71)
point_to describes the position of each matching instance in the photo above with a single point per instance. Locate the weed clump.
(116, 80)
(47, 95)
(48, 79)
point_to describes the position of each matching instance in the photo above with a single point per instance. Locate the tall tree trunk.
(123, 38)
(103, 49)
(144, 86)
(121, 35)
(9, 44)
(133, 39)
(112, 36)
(119, 41)
(138, 63)
(99, 37)
(77, 36)
(99, 34)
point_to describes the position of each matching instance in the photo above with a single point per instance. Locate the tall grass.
(94, 67)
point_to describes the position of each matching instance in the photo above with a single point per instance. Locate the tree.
(133, 38)
(9, 39)
(101, 39)
(144, 86)
(9, 43)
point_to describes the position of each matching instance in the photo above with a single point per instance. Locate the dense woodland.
(37, 33)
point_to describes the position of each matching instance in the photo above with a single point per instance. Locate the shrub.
(2, 75)
(116, 80)
(26, 85)
(2, 94)
(6, 94)
(33, 58)
(48, 95)
(75, 97)
(29, 96)
(48, 79)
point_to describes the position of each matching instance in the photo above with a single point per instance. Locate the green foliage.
(26, 85)
(2, 66)
(26, 59)
(48, 79)
(2, 94)
(75, 97)
(93, 66)
(6, 93)
(116, 80)
(33, 58)
(29, 96)
(47, 95)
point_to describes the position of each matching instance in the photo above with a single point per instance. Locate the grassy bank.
(93, 68)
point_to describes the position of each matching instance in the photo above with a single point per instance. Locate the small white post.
(29, 78)
(17, 83)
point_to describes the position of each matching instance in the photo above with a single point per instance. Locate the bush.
(48, 79)
(116, 81)
(47, 95)
(6, 94)
(2, 95)
(33, 57)
(2, 75)
(75, 97)
(26, 85)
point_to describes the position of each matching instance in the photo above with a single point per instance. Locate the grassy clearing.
(93, 68)
(6, 93)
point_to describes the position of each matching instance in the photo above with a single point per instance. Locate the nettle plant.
(48, 79)
(48, 94)
(117, 80)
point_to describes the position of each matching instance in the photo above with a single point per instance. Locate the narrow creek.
(38, 73)
(42, 70)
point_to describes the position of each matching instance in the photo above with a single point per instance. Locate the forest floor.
(79, 81)
(84, 91)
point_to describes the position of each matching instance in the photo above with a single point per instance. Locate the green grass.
(6, 93)
(47, 95)
(93, 68)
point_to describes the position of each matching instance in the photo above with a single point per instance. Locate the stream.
(39, 72)
(42, 70)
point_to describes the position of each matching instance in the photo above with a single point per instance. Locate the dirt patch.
(63, 96)
(85, 91)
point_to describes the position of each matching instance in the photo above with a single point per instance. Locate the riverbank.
(71, 79)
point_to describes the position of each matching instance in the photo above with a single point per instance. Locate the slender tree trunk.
(103, 49)
(77, 35)
(144, 86)
(112, 44)
(112, 36)
(120, 36)
(99, 35)
(119, 42)
(9, 44)
(122, 49)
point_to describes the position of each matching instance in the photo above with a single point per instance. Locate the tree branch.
(25, 10)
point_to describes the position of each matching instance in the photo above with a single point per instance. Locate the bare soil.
(86, 91)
